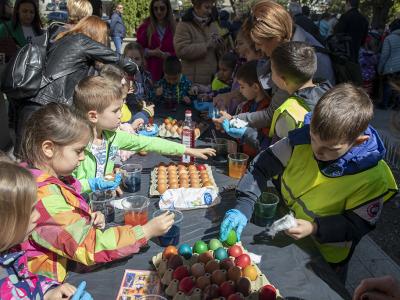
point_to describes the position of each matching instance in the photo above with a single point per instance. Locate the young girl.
(143, 85)
(18, 219)
(67, 229)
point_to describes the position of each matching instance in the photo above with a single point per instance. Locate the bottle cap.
(188, 113)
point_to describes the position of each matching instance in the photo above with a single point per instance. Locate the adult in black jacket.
(354, 24)
(68, 61)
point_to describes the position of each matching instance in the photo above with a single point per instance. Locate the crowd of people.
(306, 129)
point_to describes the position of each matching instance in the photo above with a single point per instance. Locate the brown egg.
(161, 188)
(243, 286)
(181, 167)
(162, 176)
(181, 172)
(207, 183)
(205, 257)
(234, 273)
(211, 266)
(202, 282)
(197, 269)
(184, 184)
(162, 180)
(171, 168)
(173, 185)
(192, 167)
(193, 175)
(172, 180)
(162, 168)
(204, 177)
(195, 185)
(184, 176)
(203, 172)
(218, 276)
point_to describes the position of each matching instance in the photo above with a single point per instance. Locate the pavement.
(369, 260)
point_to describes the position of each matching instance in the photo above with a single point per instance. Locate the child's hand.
(137, 123)
(158, 225)
(99, 220)
(126, 127)
(159, 91)
(64, 291)
(124, 155)
(202, 153)
(187, 100)
(304, 228)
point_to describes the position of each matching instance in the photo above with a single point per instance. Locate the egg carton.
(171, 285)
(163, 132)
(153, 181)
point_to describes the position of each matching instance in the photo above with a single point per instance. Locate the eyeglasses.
(159, 8)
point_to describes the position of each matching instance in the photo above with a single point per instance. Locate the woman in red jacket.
(156, 36)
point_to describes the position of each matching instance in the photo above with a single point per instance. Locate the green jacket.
(116, 140)
(16, 33)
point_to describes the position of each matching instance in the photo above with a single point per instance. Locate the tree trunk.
(380, 12)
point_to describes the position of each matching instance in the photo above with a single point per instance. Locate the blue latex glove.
(81, 294)
(100, 184)
(236, 133)
(234, 219)
(154, 132)
(201, 106)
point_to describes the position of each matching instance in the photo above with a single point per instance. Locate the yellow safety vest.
(310, 194)
(292, 111)
(126, 113)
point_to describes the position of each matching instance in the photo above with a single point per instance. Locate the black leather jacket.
(75, 54)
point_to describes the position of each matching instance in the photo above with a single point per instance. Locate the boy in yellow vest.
(293, 65)
(334, 178)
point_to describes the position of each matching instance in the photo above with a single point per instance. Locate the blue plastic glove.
(201, 106)
(236, 133)
(234, 219)
(81, 294)
(100, 184)
(154, 132)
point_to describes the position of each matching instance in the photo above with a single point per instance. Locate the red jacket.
(154, 64)
(252, 106)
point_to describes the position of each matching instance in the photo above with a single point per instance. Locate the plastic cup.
(131, 177)
(173, 235)
(221, 147)
(102, 201)
(136, 210)
(213, 112)
(265, 209)
(237, 164)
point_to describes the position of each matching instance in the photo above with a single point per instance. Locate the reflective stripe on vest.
(294, 110)
(310, 194)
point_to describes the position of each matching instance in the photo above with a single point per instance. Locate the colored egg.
(214, 244)
(220, 254)
(197, 269)
(174, 185)
(231, 239)
(169, 251)
(242, 261)
(235, 251)
(185, 250)
(202, 282)
(226, 264)
(234, 273)
(161, 188)
(211, 266)
(243, 286)
(250, 272)
(200, 247)
(205, 257)
(175, 261)
(218, 276)
(207, 183)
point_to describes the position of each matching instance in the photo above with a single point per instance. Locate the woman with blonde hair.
(68, 61)
(77, 10)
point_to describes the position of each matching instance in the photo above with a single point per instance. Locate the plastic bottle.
(188, 135)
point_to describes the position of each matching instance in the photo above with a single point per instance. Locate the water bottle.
(188, 135)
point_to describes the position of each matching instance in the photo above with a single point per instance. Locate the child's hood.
(311, 95)
(357, 159)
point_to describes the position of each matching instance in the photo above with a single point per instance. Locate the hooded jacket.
(199, 62)
(309, 95)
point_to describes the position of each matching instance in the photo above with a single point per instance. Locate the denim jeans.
(118, 43)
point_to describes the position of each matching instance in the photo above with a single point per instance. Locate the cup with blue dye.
(102, 201)
(131, 177)
(173, 235)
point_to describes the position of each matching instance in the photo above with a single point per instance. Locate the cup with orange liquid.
(136, 210)
(237, 164)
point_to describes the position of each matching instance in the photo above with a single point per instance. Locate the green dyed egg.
(231, 239)
(220, 254)
(214, 244)
(200, 247)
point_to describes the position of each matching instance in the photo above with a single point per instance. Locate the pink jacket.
(154, 64)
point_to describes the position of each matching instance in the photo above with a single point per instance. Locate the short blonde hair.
(78, 9)
(270, 20)
(18, 194)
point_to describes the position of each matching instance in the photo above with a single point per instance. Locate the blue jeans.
(118, 43)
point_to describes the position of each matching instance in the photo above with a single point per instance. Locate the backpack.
(339, 48)
(23, 76)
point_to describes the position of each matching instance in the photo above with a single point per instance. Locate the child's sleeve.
(68, 231)
(187, 84)
(132, 142)
(268, 163)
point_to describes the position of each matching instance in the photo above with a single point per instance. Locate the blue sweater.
(389, 61)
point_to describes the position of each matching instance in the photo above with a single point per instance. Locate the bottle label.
(187, 141)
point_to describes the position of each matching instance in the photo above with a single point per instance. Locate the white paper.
(238, 123)
(189, 198)
(283, 223)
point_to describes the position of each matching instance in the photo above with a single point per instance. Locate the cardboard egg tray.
(154, 175)
(171, 289)
(163, 132)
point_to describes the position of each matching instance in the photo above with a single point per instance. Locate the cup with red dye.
(136, 210)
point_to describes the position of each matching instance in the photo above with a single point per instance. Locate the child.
(175, 86)
(334, 178)
(67, 230)
(17, 200)
(293, 65)
(100, 101)
(252, 90)
(143, 85)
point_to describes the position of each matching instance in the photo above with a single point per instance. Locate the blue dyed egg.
(220, 254)
(185, 250)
